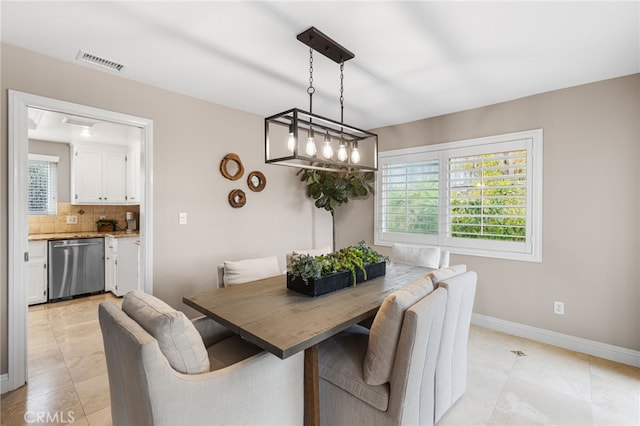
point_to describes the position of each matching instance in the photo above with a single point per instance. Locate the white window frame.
(52, 201)
(531, 250)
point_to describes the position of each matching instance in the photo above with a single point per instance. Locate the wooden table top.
(284, 322)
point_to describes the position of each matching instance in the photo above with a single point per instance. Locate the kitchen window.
(478, 197)
(43, 184)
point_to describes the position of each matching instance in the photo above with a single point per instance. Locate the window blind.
(43, 185)
(488, 196)
(409, 197)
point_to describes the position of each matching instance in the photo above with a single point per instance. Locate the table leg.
(311, 387)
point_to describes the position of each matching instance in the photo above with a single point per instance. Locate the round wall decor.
(256, 181)
(231, 167)
(237, 198)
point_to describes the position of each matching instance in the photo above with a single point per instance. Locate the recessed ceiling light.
(97, 60)
(79, 121)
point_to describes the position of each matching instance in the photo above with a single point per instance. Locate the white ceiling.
(413, 59)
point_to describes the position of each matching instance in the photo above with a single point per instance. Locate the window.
(43, 184)
(478, 197)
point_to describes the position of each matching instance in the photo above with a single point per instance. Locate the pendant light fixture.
(306, 140)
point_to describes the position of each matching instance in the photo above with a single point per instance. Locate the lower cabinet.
(110, 259)
(37, 291)
(121, 265)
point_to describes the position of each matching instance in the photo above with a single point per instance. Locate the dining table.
(281, 321)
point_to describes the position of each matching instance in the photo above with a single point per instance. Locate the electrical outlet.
(558, 308)
(182, 218)
(72, 220)
(102, 217)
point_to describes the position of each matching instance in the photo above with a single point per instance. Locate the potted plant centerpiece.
(106, 225)
(317, 275)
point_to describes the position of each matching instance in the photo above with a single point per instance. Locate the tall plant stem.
(333, 230)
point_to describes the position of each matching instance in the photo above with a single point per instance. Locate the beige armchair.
(418, 389)
(165, 370)
(390, 387)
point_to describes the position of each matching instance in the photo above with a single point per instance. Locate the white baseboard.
(577, 344)
(4, 383)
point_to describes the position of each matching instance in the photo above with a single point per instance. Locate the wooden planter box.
(329, 283)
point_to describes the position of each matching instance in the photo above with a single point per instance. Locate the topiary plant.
(332, 189)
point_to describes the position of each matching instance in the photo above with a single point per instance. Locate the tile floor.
(545, 386)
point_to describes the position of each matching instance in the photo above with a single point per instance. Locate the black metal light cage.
(286, 136)
(337, 147)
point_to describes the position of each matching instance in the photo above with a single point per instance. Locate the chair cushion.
(340, 363)
(385, 330)
(444, 273)
(177, 337)
(230, 351)
(242, 271)
(428, 257)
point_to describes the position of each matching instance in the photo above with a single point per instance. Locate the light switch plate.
(182, 218)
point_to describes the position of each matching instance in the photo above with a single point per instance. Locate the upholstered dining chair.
(386, 375)
(233, 272)
(166, 370)
(429, 257)
(451, 367)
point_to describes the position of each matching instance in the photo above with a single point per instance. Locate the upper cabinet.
(133, 174)
(99, 174)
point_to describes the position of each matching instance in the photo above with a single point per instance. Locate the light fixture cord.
(341, 93)
(311, 89)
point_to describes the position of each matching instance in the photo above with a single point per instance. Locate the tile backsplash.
(87, 216)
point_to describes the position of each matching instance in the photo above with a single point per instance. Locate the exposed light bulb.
(342, 152)
(327, 150)
(355, 155)
(291, 143)
(310, 149)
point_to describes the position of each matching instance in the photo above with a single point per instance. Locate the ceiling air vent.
(101, 62)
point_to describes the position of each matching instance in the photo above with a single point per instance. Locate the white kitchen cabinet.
(99, 174)
(123, 254)
(133, 175)
(110, 259)
(37, 291)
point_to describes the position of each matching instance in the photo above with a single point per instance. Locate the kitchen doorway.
(18, 149)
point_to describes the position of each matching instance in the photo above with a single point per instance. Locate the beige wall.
(190, 139)
(591, 209)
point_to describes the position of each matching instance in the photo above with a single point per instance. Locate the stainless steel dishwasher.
(75, 267)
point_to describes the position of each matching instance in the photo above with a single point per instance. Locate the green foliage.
(306, 267)
(350, 258)
(332, 189)
(102, 222)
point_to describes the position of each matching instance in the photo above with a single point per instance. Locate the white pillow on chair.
(177, 337)
(385, 330)
(242, 271)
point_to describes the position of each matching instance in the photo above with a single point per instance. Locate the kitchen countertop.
(70, 235)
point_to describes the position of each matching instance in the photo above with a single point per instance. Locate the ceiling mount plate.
(320, 42)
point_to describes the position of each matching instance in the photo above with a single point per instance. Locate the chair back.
(429, 257)
(411, 396)
(126, 344)
(233, 272)
(451, 369)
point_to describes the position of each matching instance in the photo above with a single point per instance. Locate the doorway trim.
(18, 229)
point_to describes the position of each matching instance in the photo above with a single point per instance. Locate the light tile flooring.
(545, 386)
